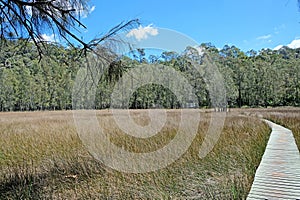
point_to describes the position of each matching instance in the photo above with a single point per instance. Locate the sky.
(247, 24)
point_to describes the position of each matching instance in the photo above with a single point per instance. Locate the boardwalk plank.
(278, 175)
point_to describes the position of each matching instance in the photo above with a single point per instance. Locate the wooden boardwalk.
(278, 175)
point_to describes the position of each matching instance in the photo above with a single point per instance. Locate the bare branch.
(29, 19)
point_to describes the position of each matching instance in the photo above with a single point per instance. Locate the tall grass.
(41, 156)
(288, 117)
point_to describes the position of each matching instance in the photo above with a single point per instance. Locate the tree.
(27, 19)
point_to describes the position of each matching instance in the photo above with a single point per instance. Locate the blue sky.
(254, 24)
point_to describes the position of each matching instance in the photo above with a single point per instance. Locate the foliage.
(252, 79)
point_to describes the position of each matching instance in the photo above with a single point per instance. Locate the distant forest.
(252, 79)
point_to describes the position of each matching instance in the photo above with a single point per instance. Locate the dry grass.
(288, 117)
(41, 156)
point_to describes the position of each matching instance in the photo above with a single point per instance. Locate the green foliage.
(252, 79)
(29, 84)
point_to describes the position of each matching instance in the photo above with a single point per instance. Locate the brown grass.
(41, 156)
(288, 117)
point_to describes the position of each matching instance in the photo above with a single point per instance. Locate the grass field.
(41, 156)
(288, 117)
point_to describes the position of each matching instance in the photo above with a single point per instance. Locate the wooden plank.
(278, 175)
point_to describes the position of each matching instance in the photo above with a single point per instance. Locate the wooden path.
(278, 175)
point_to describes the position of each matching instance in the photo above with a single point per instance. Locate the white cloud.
(278, 47)
(80, 10)
(141, 32)
(48, 38)
(293, 45)
(264, 37)
(83, 13)
(29, 10)
(92, 9)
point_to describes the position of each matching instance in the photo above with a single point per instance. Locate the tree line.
(251, 79)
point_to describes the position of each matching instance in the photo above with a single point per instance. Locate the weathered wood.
(278, 175)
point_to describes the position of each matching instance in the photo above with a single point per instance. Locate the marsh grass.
(41, 157)
(288, 117)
